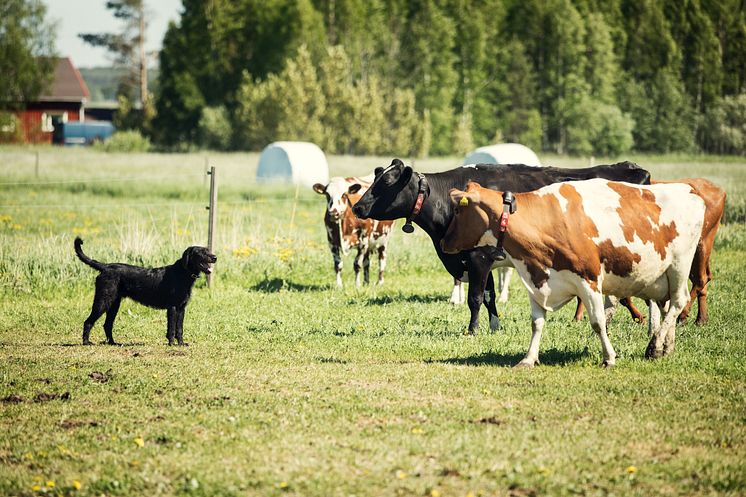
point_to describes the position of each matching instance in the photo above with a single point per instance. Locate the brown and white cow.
(344, 230)
(587, 239)
(700, 274)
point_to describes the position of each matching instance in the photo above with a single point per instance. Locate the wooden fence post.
(213, 208)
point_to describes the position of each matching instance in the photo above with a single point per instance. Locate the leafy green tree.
(427, 66)
(26, 51)
(127, 46)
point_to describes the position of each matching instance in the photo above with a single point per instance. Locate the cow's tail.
(87, 260)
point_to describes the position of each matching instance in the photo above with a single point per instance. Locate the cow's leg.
(504, 274)
(654, 318)
(489, 303)
(479, 272)
(381, 263)
(454, 293)
(538, 317)
(679, 298)
(637, 316)
(358, 264)
(699, 275)
(610, 306)
(337, 265)
(579, 311)
(366, 266)
(595, 302)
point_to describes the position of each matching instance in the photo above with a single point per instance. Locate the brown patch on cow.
(617, 260)
(640, 215)
(555, 238)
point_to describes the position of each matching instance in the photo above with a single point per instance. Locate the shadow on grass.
(551, 357)
(275, 285)
(390, 299)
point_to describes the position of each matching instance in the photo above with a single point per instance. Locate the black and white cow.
(396, 188)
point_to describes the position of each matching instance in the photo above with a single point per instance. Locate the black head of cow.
(391, 196)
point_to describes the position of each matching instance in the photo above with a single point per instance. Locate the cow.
(586, 239)
(396, 191)
(700, 274)
(344, 230)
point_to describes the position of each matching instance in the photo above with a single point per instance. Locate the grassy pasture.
(290, 387)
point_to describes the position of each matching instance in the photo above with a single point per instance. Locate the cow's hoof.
(608, 364)
(653, 353)
(87, 342)
(700, 321)
(524, 364)
(112, 342)
(494, 323)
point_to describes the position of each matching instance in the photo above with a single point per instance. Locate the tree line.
(436, 77)
(419, 77)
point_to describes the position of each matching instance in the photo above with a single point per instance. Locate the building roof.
(68, 85)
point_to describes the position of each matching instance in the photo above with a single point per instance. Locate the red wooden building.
(64, 101)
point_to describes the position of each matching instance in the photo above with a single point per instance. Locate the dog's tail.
(79, 251)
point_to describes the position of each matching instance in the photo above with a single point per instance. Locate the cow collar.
(421, 195)
(509, 207)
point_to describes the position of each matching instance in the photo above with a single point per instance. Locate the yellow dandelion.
(29, 456)
(417, 431)
(76, 485)
(401, 474)
(470, 494)
(50, 483)
(36, 488)
(631, 470)
(139, 441)
(284, 484)
(435, 493)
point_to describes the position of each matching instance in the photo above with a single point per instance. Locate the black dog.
(162, 288)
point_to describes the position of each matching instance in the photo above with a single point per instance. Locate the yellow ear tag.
(463, 201)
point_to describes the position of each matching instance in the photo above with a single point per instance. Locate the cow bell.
(408, 228)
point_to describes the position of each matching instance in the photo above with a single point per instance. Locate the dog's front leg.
(180, 311)
(171, 314)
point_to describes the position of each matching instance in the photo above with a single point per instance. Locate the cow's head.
(336, 193)
(391, 196)
(470, 221)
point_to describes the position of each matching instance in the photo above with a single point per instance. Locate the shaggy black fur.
(166, 287)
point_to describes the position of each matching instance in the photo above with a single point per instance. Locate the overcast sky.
(91, 16)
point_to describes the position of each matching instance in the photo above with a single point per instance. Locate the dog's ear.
(185, 257)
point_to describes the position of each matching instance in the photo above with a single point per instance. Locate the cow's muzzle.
(359, 211)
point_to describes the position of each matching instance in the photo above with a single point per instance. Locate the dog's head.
(197, 260)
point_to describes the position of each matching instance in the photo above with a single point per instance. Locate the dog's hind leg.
(171, 330)
(180, 311)
(111, 315)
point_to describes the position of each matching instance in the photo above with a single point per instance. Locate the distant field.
(290, 387)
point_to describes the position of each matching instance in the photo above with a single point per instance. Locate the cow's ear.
(398, 163)
(377, 171)
(319, 188)
(461, 198)
(354, 188)
(406, 174)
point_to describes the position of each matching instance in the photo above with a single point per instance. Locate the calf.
(344, 230)
(700, 274)
(587, 239)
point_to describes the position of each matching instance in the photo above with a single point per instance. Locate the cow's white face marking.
(487, 239)
(471, 166)
(337, 187)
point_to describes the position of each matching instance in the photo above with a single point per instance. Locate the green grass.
(290, 387)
